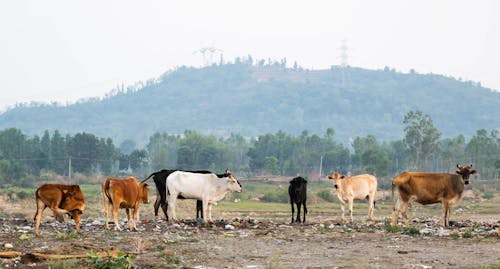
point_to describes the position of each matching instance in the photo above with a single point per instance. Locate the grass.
(320, 203)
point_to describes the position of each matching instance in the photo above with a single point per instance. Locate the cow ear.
(342, 177)
(473, 172)
(458, 172)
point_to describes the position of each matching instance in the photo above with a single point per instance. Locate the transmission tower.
(209, 54)
(343, 61)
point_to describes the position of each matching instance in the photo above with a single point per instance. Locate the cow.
(209, 188)
(298, 195)
(124, 193)
(350, 188)
(160, 178)
(61, 199)
(430, 188)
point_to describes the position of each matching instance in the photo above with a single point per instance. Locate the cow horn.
(458, 166)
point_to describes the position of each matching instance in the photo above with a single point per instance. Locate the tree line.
(23, 158)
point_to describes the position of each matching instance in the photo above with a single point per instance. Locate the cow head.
(233, 183)
(73, 199)
(143, 189)
(465, 172)
(297, 183)
(337, 179)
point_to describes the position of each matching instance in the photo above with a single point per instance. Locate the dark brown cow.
(430, 188)
(61, 199)
(124, 193)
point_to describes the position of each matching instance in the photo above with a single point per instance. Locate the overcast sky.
(66, 50)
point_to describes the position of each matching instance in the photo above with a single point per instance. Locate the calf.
(430, 188)
(61, 199)
(209, 188)
(298, 195)
(124, 193)
(352, 188)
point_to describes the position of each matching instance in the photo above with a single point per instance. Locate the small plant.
(109, 262)
(411, 231)
(171, 260)
(488, 195)
(391, 228)
(467, 234)
(69, 235)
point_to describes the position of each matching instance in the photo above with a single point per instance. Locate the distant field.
(269, 199)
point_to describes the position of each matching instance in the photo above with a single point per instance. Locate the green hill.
(252, 100)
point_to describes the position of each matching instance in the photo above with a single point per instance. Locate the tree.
(421, 137)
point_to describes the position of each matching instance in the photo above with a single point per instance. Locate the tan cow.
(430, 188)
(352, 188)
(124, 193)
(61, 199)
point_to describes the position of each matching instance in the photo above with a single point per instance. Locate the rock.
(8, 245)
(229, 227)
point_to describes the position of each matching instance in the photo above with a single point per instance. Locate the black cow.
(298, 195)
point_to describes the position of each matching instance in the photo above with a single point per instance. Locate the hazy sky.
(65, 50)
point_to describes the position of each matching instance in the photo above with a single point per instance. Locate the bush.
(277, 196)
(326, 195)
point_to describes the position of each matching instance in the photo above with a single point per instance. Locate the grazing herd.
(208, 188)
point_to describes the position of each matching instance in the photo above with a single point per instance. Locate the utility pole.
(320, 167)
(69, 170)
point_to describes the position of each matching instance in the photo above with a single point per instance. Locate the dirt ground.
(257, 242)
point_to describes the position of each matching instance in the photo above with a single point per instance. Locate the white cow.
(209, 188)
(358, 187)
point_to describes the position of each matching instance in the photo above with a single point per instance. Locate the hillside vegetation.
(251, 99)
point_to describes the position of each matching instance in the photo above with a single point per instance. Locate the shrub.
(276, 196)
(326, 195)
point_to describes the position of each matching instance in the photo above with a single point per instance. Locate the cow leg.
(116, 207)
(298, 213)
(395, 212)
(171, 207)
(199, 209)
(135, 217)
(210, 212)
(293, 209)
(446, 214)
(129, 220)
(106, 209)
(76, 216)
(157, 204)
(404, 211)
(342, 209)
(305, 211)
(351, 203)
(371, 205)
(40, 207)
(205, 210)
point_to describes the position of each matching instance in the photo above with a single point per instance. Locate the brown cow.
(124, 193)
(430, 188)
(352, 188)
(61, 199)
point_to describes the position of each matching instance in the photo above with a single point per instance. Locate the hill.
(256, 99)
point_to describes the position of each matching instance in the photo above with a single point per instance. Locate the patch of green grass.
(69, 235)
(411, 231)
(109, 262)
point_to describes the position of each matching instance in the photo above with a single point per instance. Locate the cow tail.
(144, 180)
(106, 191)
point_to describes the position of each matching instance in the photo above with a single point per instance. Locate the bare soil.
(258, 242)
